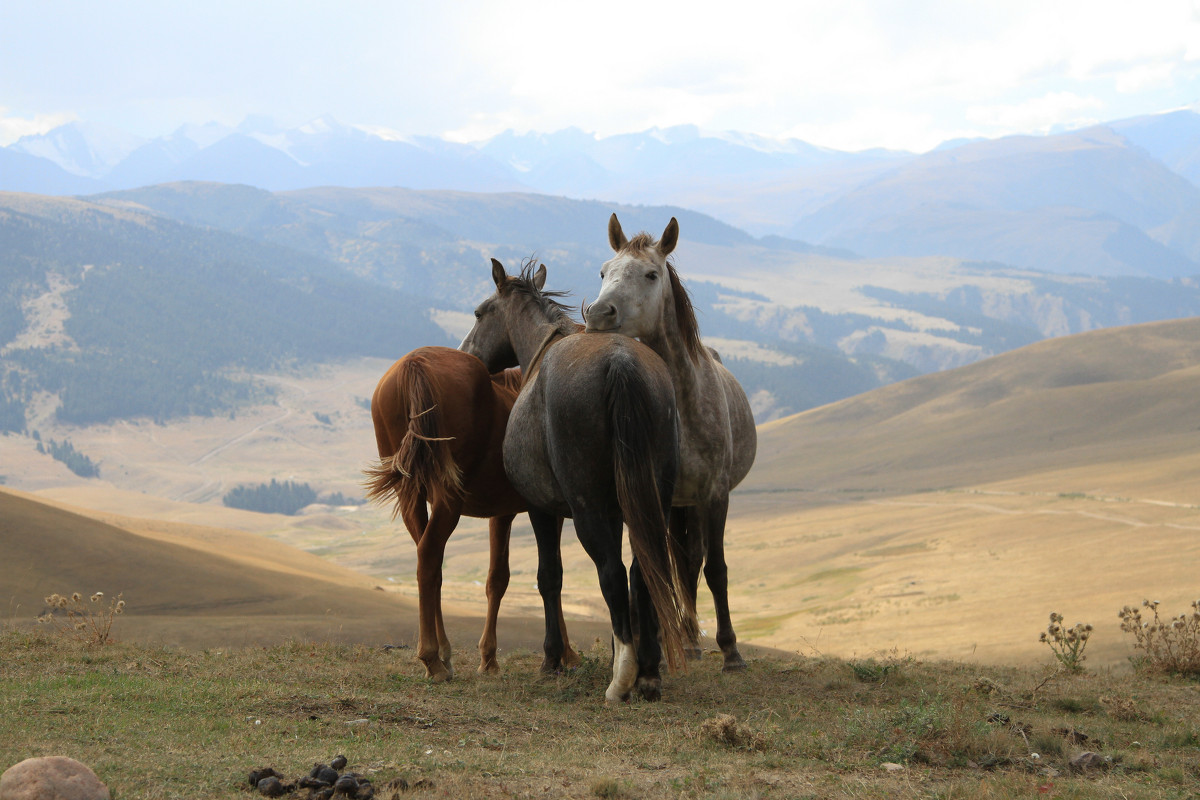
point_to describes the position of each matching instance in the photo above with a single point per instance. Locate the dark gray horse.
(592, 436)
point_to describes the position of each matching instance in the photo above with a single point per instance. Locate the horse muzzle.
(602, 317)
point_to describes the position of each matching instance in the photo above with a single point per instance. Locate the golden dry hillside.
(950, 514)
(188, 584)
(1112, 396)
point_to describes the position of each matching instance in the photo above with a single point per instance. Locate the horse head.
(518, 320)
(488, 339)
(635, 284)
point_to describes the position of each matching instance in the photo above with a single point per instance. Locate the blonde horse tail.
(645, 508)
(423, 465)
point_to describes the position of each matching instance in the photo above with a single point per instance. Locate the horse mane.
(547, 300)
(640, 243)
(685, 317)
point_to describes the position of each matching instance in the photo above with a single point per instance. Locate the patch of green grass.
(167, 723)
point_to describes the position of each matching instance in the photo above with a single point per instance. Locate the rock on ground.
(51, 778)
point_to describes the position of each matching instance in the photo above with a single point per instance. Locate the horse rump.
(644, 494)
(422, 466)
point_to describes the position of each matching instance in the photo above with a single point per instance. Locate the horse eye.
(652, 276)
(478, 314)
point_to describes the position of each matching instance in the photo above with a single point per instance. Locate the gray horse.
(593, 436)
(641, 296)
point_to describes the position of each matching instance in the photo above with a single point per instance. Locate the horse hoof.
(550, 667)
(489, 668)
(571, 660)
(734, 664)
(650, 689)
(437, 672)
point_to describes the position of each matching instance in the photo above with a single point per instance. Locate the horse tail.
(644, 507)
(423, 465)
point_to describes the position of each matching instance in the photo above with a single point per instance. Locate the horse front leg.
(433, 648)
(547, 531)
(499, 533)
(716, 573)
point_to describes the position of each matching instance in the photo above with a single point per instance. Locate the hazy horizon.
(905, 76)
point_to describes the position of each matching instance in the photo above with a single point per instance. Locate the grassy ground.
(159, 723)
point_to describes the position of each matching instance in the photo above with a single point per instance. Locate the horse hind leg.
(433, 648)
(649, 651)
(716, 574)
(499, 533)
(601, 538)
(570, 659)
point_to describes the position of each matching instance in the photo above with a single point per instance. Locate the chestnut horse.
(439, 426)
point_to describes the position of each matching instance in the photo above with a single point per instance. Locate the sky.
(849, 75)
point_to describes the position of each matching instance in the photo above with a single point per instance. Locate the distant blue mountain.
(1088, 202)
(1121, 199)
(1172, 138)
(21, 172)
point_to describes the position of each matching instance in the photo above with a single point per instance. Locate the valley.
(942, 517)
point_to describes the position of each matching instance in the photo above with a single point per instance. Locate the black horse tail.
(645, 499)
(423, 467)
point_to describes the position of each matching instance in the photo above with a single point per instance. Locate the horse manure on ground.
(324, 781)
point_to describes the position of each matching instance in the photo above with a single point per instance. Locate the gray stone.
(1081, 762)
(51, 778)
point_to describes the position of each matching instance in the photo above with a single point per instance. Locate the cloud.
(1036, 114)
(13, 128)
(856, 73)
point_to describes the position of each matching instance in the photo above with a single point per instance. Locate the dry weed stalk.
(1067, 644)
(91, 624)
(1169, 646)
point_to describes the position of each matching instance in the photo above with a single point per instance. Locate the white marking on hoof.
(624, 672)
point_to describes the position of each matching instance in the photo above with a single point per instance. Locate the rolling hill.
(187, 584)
(150, 316)
(1108, 396)
(948, 515)
(1089, 202)
(201, 586)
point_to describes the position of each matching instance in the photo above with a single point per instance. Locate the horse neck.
(531, 332)
(669, 343)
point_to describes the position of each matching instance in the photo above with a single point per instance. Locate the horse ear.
(616, 236)
(498, 273)
(539, 277)
(669, 239)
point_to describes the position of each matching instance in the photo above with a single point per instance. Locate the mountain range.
(1118, 199)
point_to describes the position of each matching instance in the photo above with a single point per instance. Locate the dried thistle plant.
(1170, 646)
(89, 622)
(1067, 644)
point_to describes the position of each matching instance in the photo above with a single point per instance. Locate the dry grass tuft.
(725, 728)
